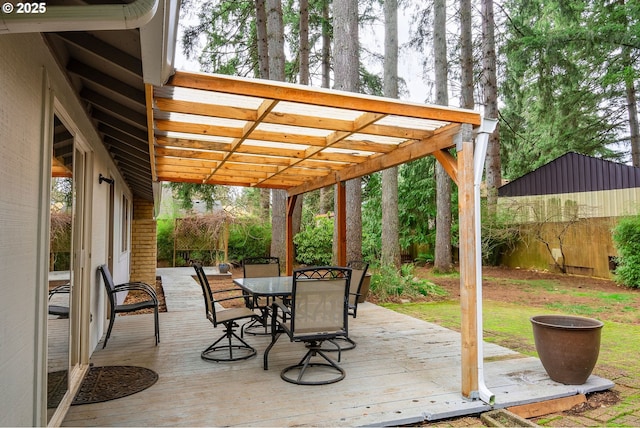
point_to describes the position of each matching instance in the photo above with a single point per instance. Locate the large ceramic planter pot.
(568, 346)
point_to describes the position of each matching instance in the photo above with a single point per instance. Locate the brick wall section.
(143, 243)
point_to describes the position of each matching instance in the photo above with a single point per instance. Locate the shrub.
(60, 241)
(389, 284)
(249, 237)
(626, 237)
(499, 235)
(165, 240)
(314, 244)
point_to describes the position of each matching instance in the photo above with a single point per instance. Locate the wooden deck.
(403, 371)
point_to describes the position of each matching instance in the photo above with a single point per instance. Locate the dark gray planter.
(568, 346)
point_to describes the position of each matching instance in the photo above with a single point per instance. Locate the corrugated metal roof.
(573, 173)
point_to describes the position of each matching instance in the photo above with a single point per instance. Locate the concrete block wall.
(143, 243)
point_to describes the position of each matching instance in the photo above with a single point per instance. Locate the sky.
(409, 67)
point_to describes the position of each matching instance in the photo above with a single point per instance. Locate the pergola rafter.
(297, 135)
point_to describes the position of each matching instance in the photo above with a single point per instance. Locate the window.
(124, 224)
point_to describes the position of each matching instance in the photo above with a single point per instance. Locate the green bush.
(626, 237)
(165, 239)
(389, 284)
(314, 244)
(249, 237)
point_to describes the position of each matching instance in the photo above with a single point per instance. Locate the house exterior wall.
(143, 243)
(31, 83)
(21, 95)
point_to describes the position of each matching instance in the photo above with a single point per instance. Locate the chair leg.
(348, 345)
(306, 363)
(112, 319)
(157, 325)
(229, 334)
(261, 323)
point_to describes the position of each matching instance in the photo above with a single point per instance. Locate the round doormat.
(102, 384)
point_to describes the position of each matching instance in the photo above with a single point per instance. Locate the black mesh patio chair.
(229, 318)
(59, 310)
(115, 308)
(318, 313)
(259, 267)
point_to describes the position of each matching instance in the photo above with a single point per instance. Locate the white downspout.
(76, 18)
(486, 128)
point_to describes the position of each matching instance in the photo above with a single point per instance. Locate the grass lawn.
(507, 324)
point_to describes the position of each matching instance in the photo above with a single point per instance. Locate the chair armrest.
(226, 290)
(280, 305)
(137, 286)
(224, 299)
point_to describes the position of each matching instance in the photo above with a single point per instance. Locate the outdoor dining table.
(268, 287)
(271, 286)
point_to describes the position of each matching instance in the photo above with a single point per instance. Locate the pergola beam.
(411, 151)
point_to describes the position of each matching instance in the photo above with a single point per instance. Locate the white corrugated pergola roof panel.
(282, 135)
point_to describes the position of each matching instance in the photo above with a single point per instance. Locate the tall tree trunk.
(263, 44)
(443, 261)
(263, 73)
(390, 234)
(304, 42)
(275, 36)
(326, 45)
(632, 111)
(304, 80)
(466, 54)
(490, 89)
(325, 202)
(346, 78)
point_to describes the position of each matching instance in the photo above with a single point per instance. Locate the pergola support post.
(468, 292)
(291, 203)
(341, 221)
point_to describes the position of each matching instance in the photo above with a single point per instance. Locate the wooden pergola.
(234, 131)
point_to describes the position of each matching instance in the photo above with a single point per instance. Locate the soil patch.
(140, 296)
(608, 300)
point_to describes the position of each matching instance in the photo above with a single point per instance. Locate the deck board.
(403, 370)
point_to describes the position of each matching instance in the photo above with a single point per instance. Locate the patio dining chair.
(112, 291)
(358, 271)
(229, 318)
(318, 313)
(259, 267)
